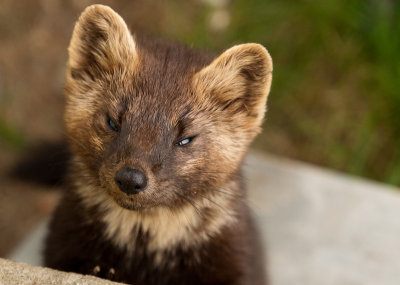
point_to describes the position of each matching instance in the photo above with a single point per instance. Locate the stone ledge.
(19, 273)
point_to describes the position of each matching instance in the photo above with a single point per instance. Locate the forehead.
(167, 66)
(159, 91)
(163, 73)
(175, 56)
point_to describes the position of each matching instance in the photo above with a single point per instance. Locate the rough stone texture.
(22, 274)
(319, 226)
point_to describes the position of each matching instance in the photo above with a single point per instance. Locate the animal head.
(159, 124)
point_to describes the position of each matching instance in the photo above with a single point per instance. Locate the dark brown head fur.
(158, 94)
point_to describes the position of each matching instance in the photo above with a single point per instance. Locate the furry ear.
(101, 42)
(238, 81)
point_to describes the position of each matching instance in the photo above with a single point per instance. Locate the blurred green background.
(335, 98)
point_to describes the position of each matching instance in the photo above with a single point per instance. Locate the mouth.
(135, 202)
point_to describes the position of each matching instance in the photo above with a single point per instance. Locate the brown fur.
(191, 225)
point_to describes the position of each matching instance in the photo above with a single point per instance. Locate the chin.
(135, 203)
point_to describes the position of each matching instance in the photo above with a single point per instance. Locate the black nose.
(130, 181)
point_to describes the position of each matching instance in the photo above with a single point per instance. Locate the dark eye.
(184, 142)
(113, 126)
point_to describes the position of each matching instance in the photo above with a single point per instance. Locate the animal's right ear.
(101, 42)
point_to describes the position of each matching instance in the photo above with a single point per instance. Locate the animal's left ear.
(238, 81)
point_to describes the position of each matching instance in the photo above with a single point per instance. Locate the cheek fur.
(203, 168)
(89, 141)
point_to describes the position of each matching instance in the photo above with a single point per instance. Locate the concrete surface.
(12, 273)
(30, 250)
(322, 227)
(319, 226)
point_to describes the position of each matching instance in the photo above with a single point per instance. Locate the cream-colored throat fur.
(166, 228)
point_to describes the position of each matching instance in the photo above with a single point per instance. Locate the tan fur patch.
(114, 45)
(241, 77)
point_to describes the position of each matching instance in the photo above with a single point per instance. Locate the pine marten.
(158, 133)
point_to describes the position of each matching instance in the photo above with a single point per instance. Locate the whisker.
(220, 172)
(215, 203)
(235, 195)
(190, 201)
